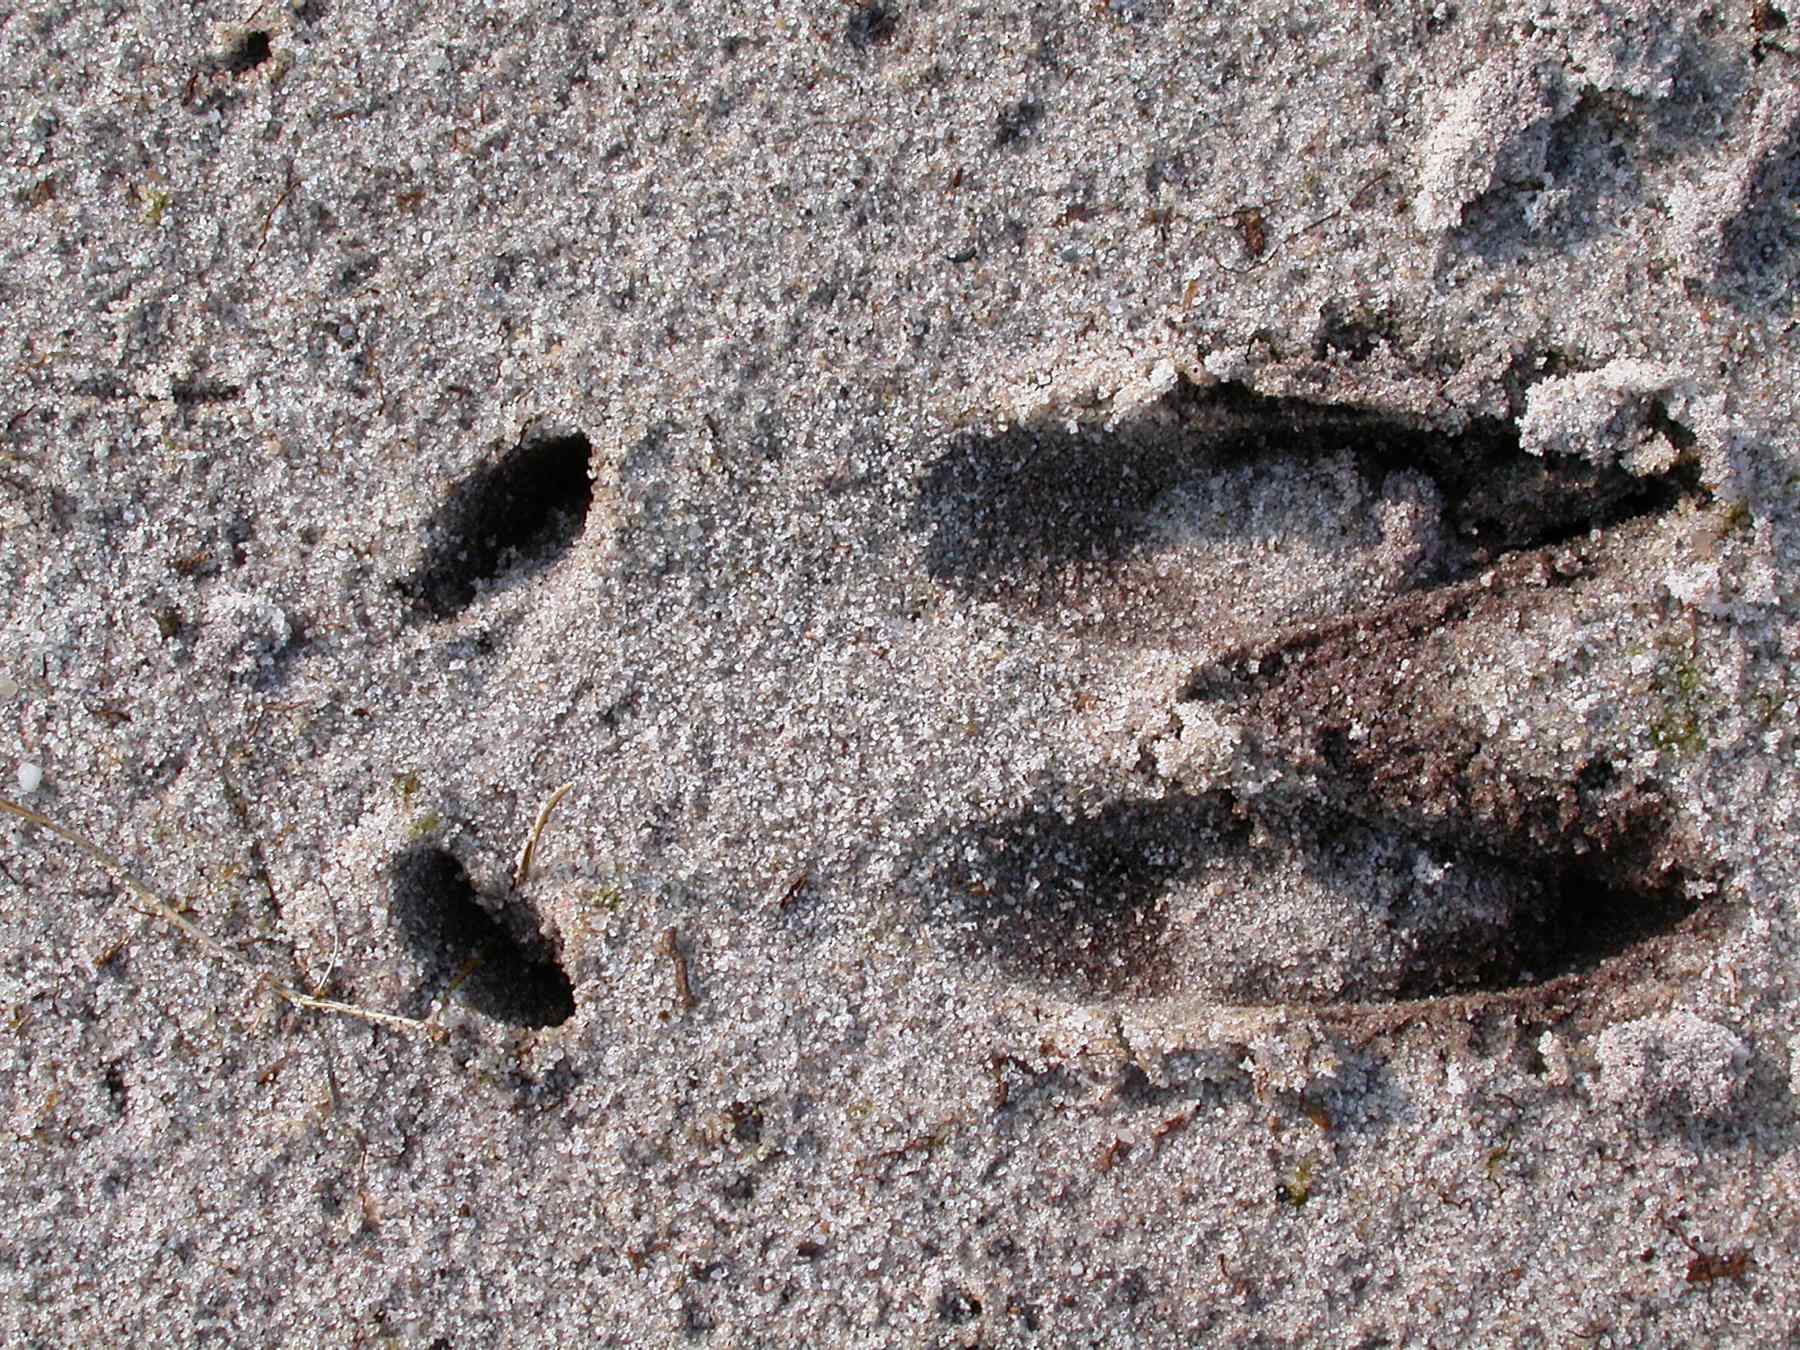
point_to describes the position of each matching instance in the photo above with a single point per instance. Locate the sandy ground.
(1172, 626)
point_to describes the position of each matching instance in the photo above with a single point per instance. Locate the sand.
(1171, 627)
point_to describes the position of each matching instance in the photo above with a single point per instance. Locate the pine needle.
(120, 873)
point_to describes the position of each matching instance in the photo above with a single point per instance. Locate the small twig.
(1253, 228)
(120, 873)
(320, 983)
(522, 871)
(922, 1143)
(670, 946)
(166, 911)
(788, 889)
(1351, 205)
(1705, 1267)
(300, 1000)
(1173, 1125)
(269, 220)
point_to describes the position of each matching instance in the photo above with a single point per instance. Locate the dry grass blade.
(522, 871)
(120, 873)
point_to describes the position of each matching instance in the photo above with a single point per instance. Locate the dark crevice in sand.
(521, 512)
(463, 947)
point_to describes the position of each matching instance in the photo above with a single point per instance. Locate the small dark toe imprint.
(464, 947)
(1332, 813)
(523, 511)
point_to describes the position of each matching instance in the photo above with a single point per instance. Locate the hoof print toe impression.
(523, 512)
(1155, 528)
(1253, 903)
(464, 947)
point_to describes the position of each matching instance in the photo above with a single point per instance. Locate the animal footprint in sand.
(1333, 809)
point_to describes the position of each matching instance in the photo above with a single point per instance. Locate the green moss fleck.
(1297, 1189)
